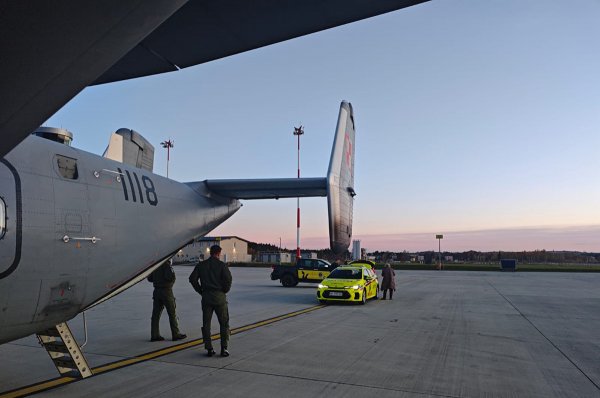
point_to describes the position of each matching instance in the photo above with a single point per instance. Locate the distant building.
(356, 250)
(415, 258)
(234, 250)
(275, 258)
(303, 254)
(448, 259)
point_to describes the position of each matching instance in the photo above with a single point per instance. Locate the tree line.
(431, 257)
(472, 256)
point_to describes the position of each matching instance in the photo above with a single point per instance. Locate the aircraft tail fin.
(338, 186)
(340, 181)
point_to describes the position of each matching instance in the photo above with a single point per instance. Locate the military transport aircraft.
(76, 228)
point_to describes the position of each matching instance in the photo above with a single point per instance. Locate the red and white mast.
(298, 131)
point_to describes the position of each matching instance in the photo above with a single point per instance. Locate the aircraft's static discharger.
(79, 228)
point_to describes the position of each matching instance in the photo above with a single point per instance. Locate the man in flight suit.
(163, 279)
(215, 282)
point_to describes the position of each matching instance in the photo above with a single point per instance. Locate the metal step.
(64, 351)
(56, 347)
(65, 362)
(52, 332)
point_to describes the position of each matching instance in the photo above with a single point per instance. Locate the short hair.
(215, 249)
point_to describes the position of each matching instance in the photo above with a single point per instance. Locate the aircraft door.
(74, 240)
(10, 219)
(62, 293)
(104, 185)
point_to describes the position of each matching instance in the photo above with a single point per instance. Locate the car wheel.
(364, 297)
(288, 280)
(376, 293)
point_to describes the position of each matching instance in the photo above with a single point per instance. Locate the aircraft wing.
(203, 31)
(50, 51)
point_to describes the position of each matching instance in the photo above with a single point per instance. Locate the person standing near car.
(163, 279)
(388, 281)
(215, 282)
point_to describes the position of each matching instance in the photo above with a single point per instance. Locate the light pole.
(168, 144)
(298, 131)
(439, 238)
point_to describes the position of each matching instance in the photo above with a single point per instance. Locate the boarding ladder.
(64, 351)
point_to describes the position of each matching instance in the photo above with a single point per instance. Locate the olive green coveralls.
(163, 279)
(215, 282)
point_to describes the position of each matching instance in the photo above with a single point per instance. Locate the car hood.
(342, 282)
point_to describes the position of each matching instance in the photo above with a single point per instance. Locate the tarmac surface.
(445, 334)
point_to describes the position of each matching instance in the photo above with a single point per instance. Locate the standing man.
(215, 282)
(389, 280)
(163, 279)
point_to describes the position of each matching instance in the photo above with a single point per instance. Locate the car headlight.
(355, 287)
(321, 286)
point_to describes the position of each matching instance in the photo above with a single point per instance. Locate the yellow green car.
(356, 283)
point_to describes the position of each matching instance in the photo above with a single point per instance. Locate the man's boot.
(179, 336)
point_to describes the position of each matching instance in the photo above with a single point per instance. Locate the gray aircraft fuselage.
(103, 221)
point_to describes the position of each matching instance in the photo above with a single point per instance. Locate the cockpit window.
(67, 167)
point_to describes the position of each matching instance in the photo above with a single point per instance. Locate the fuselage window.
(67, 167)
(2, 218)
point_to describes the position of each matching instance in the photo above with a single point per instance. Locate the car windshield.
(346, 274)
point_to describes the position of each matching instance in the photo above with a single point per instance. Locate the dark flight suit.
(163, 279)
(215, 282)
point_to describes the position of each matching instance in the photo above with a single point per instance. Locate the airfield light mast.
(168, 144)
(439, 238)
(298, 131)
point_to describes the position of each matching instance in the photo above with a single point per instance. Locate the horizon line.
(579, 238)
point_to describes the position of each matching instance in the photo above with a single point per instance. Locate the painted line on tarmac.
(556, 347)
(61, 381)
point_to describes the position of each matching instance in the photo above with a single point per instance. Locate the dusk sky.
(476, 119)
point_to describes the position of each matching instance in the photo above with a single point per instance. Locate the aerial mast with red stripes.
(298, 131)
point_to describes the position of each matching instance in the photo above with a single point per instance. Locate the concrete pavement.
(445, 334)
